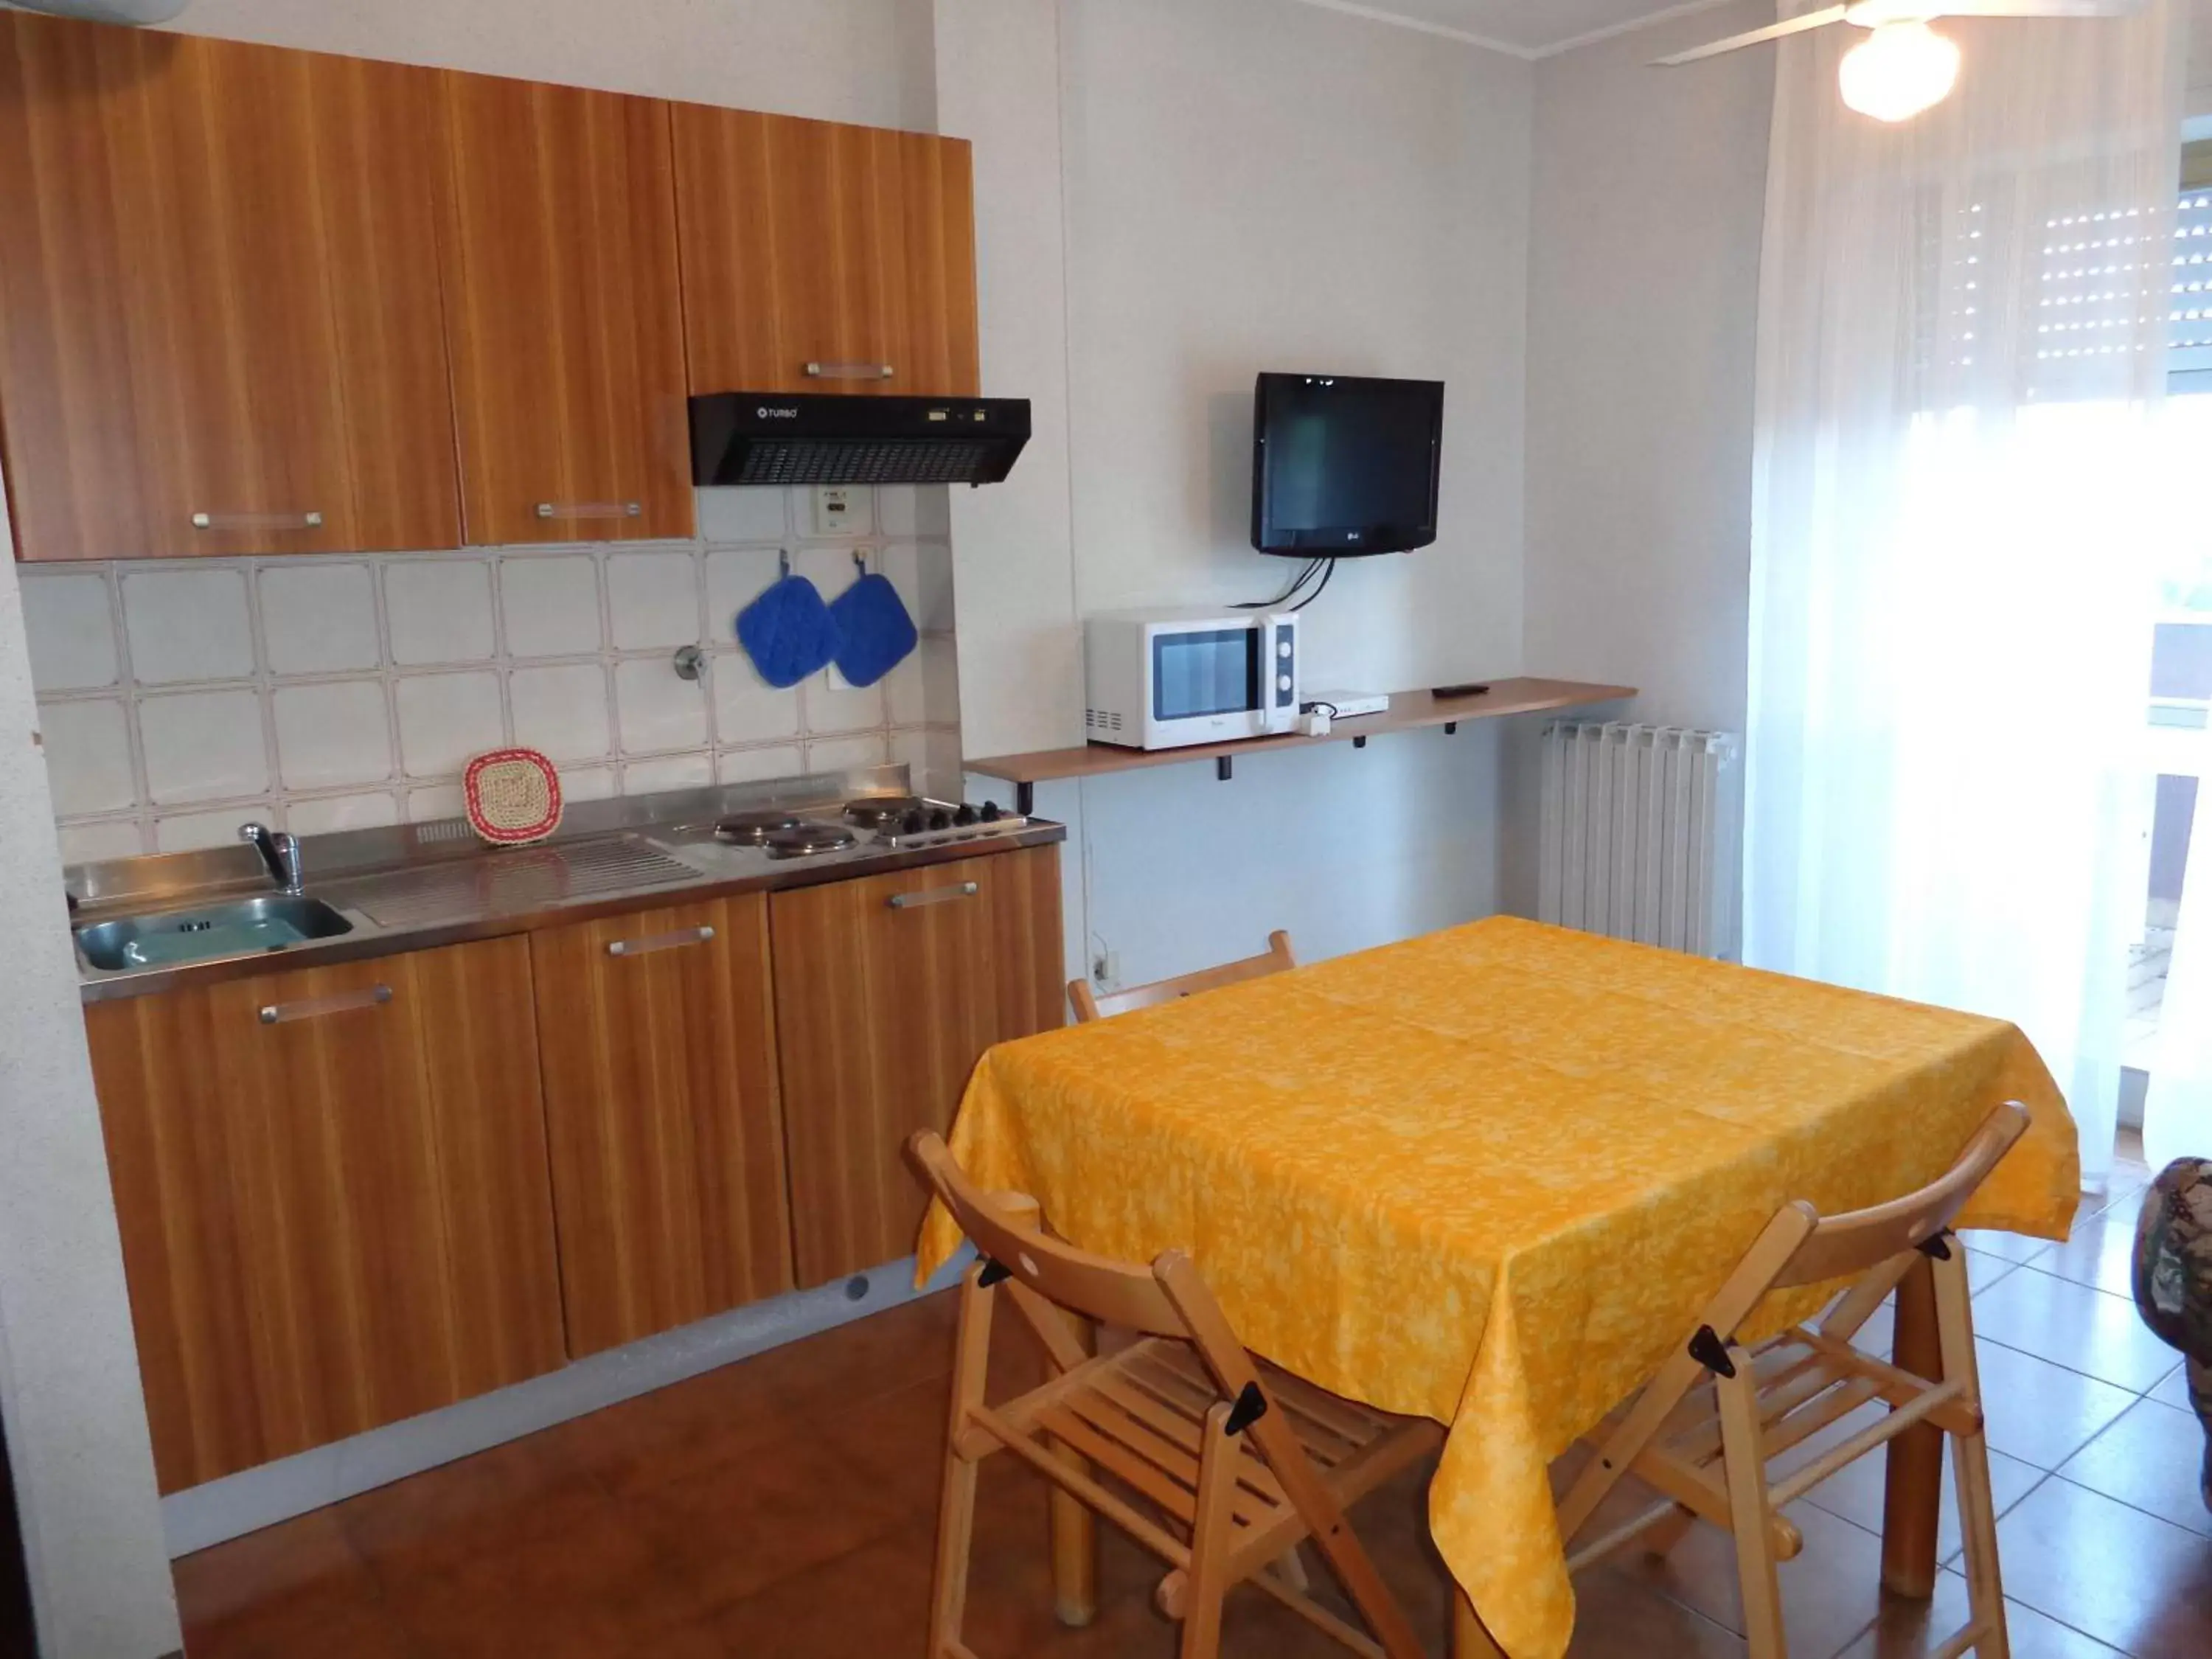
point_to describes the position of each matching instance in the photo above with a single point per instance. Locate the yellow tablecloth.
(1490, 1175)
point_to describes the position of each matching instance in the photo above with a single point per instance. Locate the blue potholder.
(788, 631)
(874, 632)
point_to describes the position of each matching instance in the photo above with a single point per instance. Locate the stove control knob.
(940, 819)
(966, 815)
(912, 824)
(991, 814)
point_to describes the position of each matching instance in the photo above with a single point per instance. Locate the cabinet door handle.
(280, 1013)
(257, 522)
(933, 896)
(677, 940)
(850, 372)
(590, 509)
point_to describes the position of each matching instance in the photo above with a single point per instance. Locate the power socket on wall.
(838, 510)
(1106, 969)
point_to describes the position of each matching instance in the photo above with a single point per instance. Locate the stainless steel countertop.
(418, 886)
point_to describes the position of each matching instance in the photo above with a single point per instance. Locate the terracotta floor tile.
(593, 1585)
(2151, 1458)
(495, 1498)
(730, 1531)
(2087, 1330)
(2040, 1413)
(2102, 1254)
(2132, 1581)
(2172, 1390)
(1854, 1491)
(1616, 1617)
(2004, 1247)
(1911, 1630)
(1829, 1594)
(310, 1557)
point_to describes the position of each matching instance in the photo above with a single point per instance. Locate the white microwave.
(1160, 679)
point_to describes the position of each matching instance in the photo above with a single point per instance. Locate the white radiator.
(1640, 826)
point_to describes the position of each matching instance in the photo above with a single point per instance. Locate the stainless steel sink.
(236, 927)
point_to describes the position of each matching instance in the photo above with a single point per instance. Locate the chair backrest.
(1111, 1292)
(1840, 1246)
(1275, 959)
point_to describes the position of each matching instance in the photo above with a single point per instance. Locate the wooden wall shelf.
(1409, 711)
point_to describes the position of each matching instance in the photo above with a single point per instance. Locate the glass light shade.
(1898, 70)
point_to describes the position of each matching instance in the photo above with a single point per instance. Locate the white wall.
(77, 1445)
(1250, 185)
(1648, 205)
(1643, 290)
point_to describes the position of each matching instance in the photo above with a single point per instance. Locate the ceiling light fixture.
(1898, 70)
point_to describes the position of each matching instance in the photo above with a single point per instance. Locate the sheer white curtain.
(1961, 337)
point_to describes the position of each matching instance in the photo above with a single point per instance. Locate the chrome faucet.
(280, 852)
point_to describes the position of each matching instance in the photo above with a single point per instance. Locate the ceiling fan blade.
(1811, 19)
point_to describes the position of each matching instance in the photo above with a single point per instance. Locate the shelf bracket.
(1359, 743)
(1452, 728)
(1025, 799)
(1224, 768)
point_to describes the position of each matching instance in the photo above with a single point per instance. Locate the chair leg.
(1209, 1527)
(1970, 1463)
(956, 1510)
(1750, 1515)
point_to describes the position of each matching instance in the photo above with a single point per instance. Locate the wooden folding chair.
(1275, 959)
(1703, 1429)
(1229, 1463)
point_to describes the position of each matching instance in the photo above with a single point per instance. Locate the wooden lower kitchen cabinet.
(657, 1038)
(331, 1187)
(888, 990)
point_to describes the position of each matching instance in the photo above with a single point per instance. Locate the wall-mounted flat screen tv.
(1344, 466)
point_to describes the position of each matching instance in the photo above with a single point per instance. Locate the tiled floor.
(783, 1507)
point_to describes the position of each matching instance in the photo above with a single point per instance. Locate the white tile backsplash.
(653, 599)
(445, 718)
(87, 748)
(203, 745)
(318, 617)
(550, 604)
(321, 693)
(440, 611)
(326, 813)
(331, 733)
(906, 512)
(70, 623)
(96, 839)
(657, 710)
(562, 709)
(747, 709)
(185, 625)
(647, 777)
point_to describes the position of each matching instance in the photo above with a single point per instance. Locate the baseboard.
(257, 1498)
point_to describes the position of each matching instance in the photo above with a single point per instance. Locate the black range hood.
(811, 438)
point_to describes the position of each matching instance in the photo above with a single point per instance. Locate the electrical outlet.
(1106, 969)
(840, 510)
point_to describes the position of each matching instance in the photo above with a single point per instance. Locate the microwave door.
(1206, 674)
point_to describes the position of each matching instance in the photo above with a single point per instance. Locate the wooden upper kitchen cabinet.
(819, 256)
(564, 313)
(332, 1190)
(888, 990)
(657, 1037)
(219, 305)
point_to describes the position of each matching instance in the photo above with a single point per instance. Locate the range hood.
(814, 438)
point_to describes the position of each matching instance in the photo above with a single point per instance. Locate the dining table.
(1490, 1175)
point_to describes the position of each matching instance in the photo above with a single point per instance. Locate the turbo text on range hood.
(787, 438)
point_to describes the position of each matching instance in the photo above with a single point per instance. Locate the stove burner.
(807, 838)
(882, 812)
(754, 829)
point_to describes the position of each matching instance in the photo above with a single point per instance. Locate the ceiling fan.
(1903, 66)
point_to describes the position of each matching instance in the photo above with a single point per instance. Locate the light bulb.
(1898, 70)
